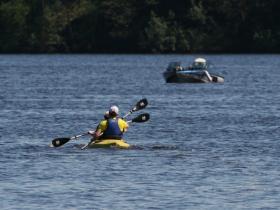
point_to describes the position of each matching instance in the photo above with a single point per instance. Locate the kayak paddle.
(138, 106)
(60, 141)
(140, 118)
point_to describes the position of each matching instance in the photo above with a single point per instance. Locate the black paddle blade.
(59, 141)
(141, 118)
(140, 105)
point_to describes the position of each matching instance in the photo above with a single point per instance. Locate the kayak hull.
(107, 143)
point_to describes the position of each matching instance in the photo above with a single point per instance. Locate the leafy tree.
(156, 33)
(57, 18)
(116, 24)
(196, 31)
(81, 34)
(13, 25)
(139, 26)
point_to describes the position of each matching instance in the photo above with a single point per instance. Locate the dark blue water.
(207, 146)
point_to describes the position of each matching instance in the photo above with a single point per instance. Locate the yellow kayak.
(106, 143)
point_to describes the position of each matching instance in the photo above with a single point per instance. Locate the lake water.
(206, 146)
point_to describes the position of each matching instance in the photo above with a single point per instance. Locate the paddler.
(106, 115)
(111, 128)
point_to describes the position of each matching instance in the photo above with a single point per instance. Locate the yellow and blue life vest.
(113, 130)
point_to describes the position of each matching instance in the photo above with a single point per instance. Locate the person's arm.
(100, 129)
(93, 132)
(123, 125)
(97, 134)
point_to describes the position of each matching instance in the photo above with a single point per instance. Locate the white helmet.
(114, 109)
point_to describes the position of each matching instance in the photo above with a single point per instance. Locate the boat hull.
(177, 77)
(108, 143)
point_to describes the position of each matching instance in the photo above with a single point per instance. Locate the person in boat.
(179, 68)
(111, 128)
(198, 64)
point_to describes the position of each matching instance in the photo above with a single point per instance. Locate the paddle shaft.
(78, 136)
(130, 112)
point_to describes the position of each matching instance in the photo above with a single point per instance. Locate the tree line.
(139, 26)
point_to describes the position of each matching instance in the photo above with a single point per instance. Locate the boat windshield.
(199, 66)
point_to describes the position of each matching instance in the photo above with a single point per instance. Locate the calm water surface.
(207, 146)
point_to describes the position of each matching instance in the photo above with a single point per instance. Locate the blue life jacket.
(113, 130)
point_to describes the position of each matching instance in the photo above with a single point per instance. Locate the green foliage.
(13, 25)
(57, 18)
(156, 34)
(150, 26)
(118, 17)
(265, 41)
(164, 35)
(196, 14)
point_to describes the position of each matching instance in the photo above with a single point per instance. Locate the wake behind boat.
(195, 73)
